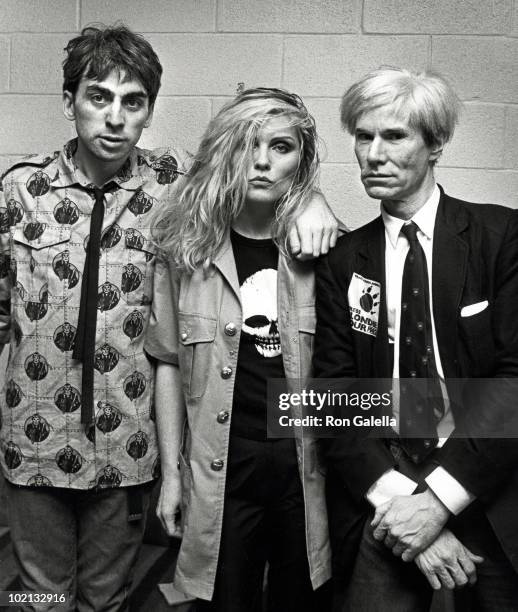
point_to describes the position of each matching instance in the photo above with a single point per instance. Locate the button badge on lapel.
(364, 304)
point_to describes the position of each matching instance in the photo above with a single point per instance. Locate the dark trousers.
(382, 581)
(263, 522)
(79, 542)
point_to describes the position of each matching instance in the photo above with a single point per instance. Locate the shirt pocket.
(307, 325)
(197, 335)
(136, 281)
(44, 272)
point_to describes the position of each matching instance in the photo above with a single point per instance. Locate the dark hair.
(97, 51)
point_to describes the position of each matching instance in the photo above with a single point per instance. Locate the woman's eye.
(281, 147)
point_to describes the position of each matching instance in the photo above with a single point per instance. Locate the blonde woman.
(233, 310)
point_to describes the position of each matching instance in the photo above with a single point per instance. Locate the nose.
(115, 114)
(261, 158)
(376, 151)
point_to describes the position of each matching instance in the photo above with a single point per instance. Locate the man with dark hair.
(80, 529)
(429, 502)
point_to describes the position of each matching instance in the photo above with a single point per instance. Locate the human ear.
(436, 151)
(150, 116)
(69, 109)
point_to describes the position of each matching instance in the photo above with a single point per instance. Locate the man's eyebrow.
(94, 88)
(99, 89)
(139, 94)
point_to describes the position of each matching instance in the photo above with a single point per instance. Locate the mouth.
(375, 176)
(261, 181)
(112, 139)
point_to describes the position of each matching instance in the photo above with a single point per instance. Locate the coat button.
(217, 465)
(222, 416)
(230, 329)
(226, 372)
(184, 336)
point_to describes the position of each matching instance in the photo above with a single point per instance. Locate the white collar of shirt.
(424, 219)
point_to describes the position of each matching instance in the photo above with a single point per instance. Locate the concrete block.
(437, 16)
(36, 63)
(336, 144)
(344, 191)
(511, 138)
(327, 65)
(4, 63)
(32, 124)
(178, 122)
(487, 186)
(152, 15)
(204, 64)
(480, 68)
(38, 16)
(479, 140)
(334, 16)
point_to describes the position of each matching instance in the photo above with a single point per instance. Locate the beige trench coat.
(196, 324)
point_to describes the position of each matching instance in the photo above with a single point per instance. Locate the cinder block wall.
(313, 47)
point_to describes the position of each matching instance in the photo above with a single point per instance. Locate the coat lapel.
(371, 265)
(450, 254)
(226, 264)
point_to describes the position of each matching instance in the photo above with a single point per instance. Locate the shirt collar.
(424, 219)
(66, 173)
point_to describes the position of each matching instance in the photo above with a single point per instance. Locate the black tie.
(421, 405)
(84, 347)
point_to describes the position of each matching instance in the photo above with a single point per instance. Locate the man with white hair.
(442, 278)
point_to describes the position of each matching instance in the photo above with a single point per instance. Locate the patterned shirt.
(45, 213)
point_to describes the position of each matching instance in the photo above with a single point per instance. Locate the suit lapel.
(450, 254)
(371, 265)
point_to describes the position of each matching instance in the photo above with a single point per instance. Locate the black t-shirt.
(260, 355)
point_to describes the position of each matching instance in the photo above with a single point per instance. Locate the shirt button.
(230, 329)
(222, 416)
(226, 372)
(217, 465)
(184, 336)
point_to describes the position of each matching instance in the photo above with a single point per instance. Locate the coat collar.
(226, 264)
(65, 173)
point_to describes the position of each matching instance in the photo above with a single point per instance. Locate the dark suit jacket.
(475, 258)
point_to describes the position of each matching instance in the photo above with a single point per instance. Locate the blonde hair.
(192, 229)
(429, 102)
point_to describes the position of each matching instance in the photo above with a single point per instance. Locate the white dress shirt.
(452, 494)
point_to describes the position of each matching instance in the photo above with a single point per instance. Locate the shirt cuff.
(389, 485)
(449, 490)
